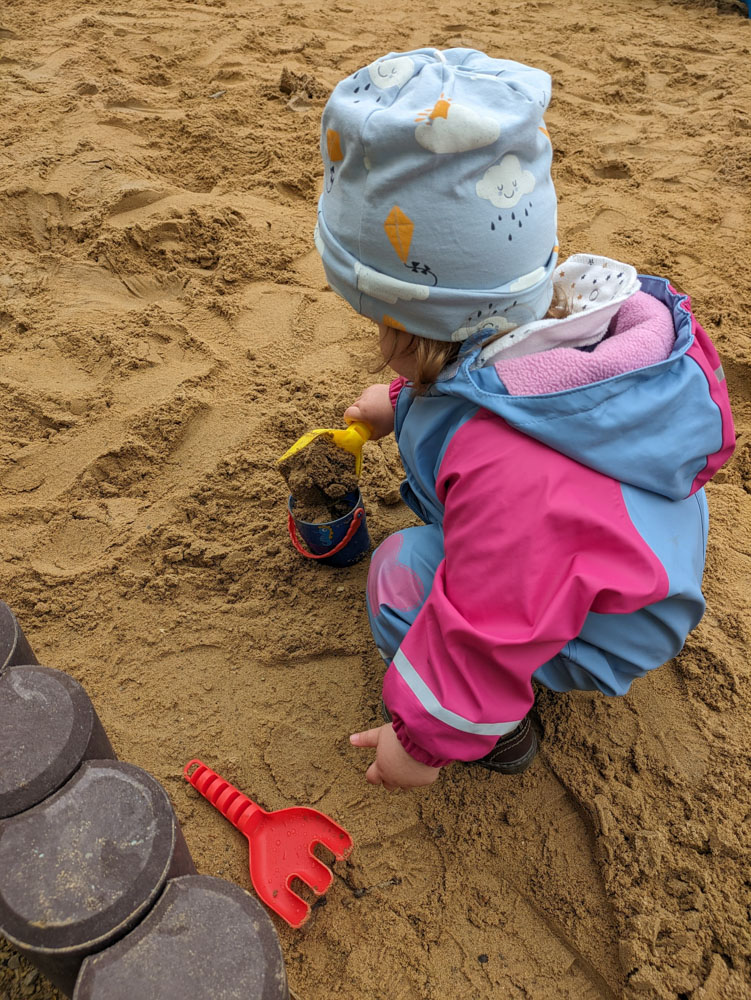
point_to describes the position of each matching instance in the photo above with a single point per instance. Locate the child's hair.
(432, 356)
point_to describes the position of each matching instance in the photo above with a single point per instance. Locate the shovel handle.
(362, 429)
(241, 811)
(357, 517)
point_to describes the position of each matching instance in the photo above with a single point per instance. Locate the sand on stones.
(166, 332)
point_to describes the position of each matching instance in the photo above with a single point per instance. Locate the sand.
(319, 477)
(166, 332)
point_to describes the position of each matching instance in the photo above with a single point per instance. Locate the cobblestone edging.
(117, 904)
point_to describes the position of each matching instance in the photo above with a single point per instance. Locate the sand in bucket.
(325, 501)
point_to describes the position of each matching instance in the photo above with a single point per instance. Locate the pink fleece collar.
(642, 334)
(594, 289)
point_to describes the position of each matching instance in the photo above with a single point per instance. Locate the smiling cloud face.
(391, 72)
(505, 183)
(455, 128)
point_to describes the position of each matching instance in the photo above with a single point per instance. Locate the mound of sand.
(166, 332)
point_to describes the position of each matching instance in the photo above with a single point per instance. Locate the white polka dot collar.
(594, 289)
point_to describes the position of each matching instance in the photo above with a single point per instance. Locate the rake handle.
(241, 811)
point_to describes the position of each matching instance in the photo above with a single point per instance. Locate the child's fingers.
(353, 412)
(373, 775)
(369, 738)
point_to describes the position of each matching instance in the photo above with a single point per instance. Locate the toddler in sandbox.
(556, 422)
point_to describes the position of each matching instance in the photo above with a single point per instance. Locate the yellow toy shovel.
(350, 439)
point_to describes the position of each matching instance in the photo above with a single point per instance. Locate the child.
(556, 455)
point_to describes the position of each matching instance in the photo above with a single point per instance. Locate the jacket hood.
(665, 427)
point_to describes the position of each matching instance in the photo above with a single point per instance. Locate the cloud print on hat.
(456, 128)
(387, 289)
(527, 280)
(505, 182)
(387, 73)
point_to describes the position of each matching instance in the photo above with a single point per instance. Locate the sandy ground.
(166, 332)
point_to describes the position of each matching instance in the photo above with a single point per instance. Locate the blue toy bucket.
(335, 543)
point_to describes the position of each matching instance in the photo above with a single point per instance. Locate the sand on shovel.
(319, 476)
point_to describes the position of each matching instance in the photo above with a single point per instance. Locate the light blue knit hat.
(438, 214)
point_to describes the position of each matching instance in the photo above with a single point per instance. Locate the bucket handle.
(357, 517)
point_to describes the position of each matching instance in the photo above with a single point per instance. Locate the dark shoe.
(513, 753)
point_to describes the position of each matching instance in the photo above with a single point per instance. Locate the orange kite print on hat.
(399, 229)
(393, 323)
(334, 149)
(334, 146)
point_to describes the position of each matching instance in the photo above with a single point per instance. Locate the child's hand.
(393, 767)
(374, 409)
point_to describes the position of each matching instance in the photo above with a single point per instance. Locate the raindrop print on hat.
(438, 214)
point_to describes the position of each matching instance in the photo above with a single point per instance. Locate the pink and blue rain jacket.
(564, 538)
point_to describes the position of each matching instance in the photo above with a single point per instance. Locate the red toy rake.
(281, 843)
